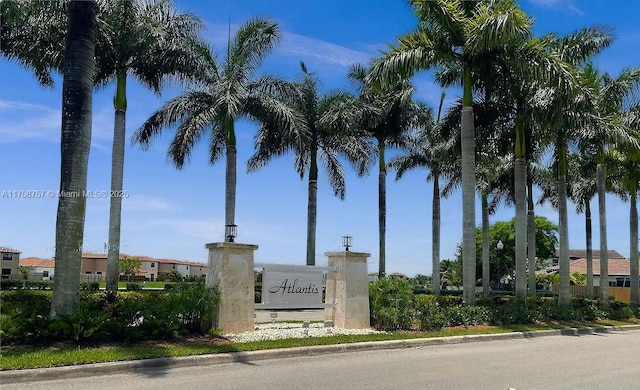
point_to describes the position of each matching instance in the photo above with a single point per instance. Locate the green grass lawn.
(123, 285)
(21, 357)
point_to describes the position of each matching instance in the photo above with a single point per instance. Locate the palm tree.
(492, 164)
(581, 188)
(77, 89)
(326, 132)
(460, 32)
(427, 150)
(228, 93)
(626, 176)
(34, 35)
(566, 108)
(610, 95)
(386, 114)
(68, 31)
(150, 41)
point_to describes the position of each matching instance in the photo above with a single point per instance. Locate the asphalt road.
(590, 362)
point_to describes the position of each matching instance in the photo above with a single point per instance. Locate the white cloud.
(25, 121)
(559, 4)
(305, 48)
(147, 203)
(22, 121)
(299, 47)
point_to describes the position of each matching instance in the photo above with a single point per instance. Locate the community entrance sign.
(231, 270)
(292, 286)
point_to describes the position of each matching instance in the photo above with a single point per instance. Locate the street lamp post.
(500, 246)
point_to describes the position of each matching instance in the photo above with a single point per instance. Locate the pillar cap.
(347, 254)
(230, 245)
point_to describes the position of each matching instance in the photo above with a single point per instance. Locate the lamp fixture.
(230, 232)
(346, 242)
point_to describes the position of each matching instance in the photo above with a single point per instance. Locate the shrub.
(449, 300)
(38, 284)
(24, 316)
(466, 315)
(81, 325)
(90, 286)
(428, 313)
(131, 286)
(11, 284)
(510, 313)
(105, 315)
(620, 312)
(391, 304)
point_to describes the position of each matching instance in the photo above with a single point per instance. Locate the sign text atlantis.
(292, 285)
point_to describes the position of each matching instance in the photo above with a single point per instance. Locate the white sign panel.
(291, 285)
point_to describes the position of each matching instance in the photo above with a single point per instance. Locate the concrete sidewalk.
(41, 374)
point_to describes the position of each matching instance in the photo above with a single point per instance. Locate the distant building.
(619, 271)
(94, 267)
(619, 267)
(41, 269)
(10, 262)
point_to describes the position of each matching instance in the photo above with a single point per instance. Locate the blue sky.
(173, 214)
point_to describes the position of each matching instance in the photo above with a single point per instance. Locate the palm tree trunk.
(435, 233)
(312, 207)
(117, 166)
(520, 175)
(602, 213)
(230, 176)
(486, 274)
(520, 182)
(633, 258)
(564, 296)
(382, 207)
(75, 143)
(468, 176)
(589, 235)
(531, 240)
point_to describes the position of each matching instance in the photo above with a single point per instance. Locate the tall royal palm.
(75, 42)
(144, 39)
(427, 149)
(626, 176)
(386, 114)
(581, 188)
(566, 110)
(150, 41)
(326, 132)
(228, 93)
(455, 31)
(610, 94)
(492, 163)
(77, 92)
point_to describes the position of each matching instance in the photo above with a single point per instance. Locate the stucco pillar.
(348, 287)
(231, 268)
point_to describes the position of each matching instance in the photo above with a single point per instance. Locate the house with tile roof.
(94, 267)
(40, 269)
(619, 271)
(619, 267)
(10, 262)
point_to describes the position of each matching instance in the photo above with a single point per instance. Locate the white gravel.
(290, 330)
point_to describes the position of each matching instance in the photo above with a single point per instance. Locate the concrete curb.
(133, 366)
